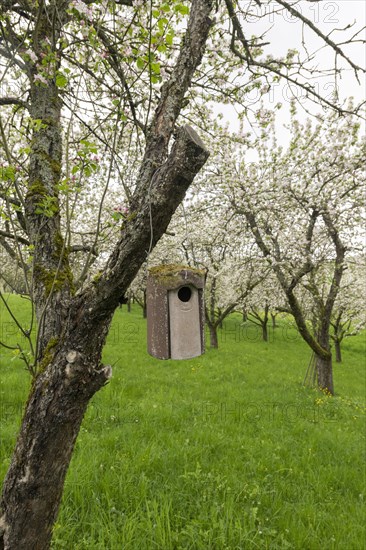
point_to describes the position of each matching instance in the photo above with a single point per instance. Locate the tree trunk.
(71, 371)
(33, 486)
(74, 327)
(323, 365)
(265, 322)
(324, 371)
(265, 331)
(219, 313)
(213, 337)
(273, 317)
(338, 352)
(244, 315)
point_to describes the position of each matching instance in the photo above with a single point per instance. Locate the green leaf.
(182, 9)
(155, 67)
(162, 22)
(169, 38)
(61, 80)
(140, 63)
(7, 173)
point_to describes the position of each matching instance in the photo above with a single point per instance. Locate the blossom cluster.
(85, 11)
(121, 209)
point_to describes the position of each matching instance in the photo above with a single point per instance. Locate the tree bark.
(338, 351)
(213, 337)
(273, 317)
(33, 486)
(325, 374)
(324, 367)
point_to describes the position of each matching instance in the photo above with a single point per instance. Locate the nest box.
(175, 312)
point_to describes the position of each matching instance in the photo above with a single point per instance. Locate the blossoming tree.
(303, 206)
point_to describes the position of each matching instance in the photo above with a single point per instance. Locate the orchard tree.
(303, 206)
(89, 80)
(37, 40)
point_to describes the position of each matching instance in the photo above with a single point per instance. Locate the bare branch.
(83, 248)
(326, 38)
(13, 101)
(14, 237)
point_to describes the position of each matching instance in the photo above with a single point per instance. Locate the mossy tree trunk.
(52, 278)
(73, 328)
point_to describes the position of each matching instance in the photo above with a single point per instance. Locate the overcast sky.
(286, 32)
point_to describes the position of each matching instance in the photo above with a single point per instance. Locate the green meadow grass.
(225, 451)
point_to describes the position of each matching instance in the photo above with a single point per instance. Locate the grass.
(225, 451)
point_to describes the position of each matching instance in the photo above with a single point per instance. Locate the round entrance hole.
(184, 294)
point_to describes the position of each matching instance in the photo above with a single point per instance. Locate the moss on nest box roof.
(169, 275)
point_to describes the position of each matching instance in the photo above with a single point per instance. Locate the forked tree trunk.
(72, 374)
(319, 344)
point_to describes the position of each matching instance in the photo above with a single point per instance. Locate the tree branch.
(317, 31)
(13, 101)
(83, 248)
(14, 237)
(270, 66)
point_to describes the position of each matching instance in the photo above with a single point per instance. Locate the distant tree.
(263, 304)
